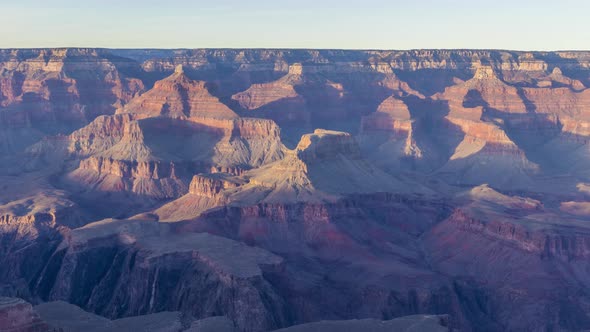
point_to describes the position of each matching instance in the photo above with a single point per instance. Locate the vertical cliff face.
(227, 275)
(211, 186)
(325, 144)
(152, 179)
(99, 135)
(388, 134)
(487, 155)
(439, 177)
(563, 102)
(523, 232)
(129, 164)
(66, 87)
(155, 144)
(252, 143)
(141, 154)
(206, 192)
(57, 91)
(329, 236)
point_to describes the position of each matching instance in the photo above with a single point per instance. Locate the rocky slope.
(259, 95)
(305, 174)
(18, 316)
(143, 148)
(62, 316)
(57, 90)
(499, 232)
(125, 252)
(198, 183)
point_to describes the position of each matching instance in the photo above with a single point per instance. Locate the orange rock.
(259, 95)
(177, 96)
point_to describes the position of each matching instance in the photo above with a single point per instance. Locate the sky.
(322, 24)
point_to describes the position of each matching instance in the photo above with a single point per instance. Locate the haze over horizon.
(374, 24)
(254, 166)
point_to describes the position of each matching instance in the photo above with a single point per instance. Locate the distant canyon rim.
(260, 189)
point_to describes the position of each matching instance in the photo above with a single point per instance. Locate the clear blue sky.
(360, 24)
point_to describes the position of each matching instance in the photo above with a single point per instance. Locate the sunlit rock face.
(254, 190)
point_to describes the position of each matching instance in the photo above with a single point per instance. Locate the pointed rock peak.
(556, 71)
(178, 77)
(179, 96)
(578, 86)
(484, 192)
(482, 188)
(484, 72)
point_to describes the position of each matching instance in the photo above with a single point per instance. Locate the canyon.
(294, 190)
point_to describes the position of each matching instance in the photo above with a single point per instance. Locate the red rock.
(397, 224)
(178, 96)
(259, 95)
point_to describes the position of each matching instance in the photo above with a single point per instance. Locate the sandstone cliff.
(259, 95)
(197, 261)
(382, 214)
(178, 96)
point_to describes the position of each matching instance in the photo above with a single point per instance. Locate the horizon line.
(291, 49)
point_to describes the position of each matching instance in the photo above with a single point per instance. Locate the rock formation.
(18, 316)
(56, 91)
(218, 264)
(309, 172)
(177, 96)
(520, 230)
(259, 95)
(168, 189)
(130, 151)
(390, 132)
(206, 191)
